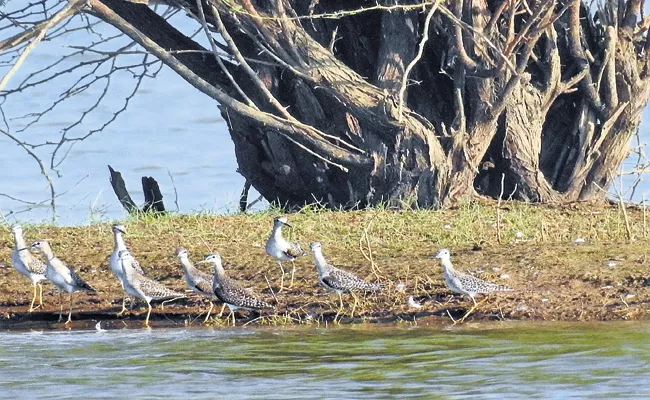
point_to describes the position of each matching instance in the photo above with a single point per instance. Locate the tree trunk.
(330, 102)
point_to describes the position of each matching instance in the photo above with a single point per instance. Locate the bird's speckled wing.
(228, 291)
(294, 250)
(476, 285)
(204, 284)
(156, 290)
(35, 265)
(136, 265)
(341, 280)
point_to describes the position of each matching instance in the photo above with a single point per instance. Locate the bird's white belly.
(58, 280)
(116, 268)
(455, 286)
(278, 253)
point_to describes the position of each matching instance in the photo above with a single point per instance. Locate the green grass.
(537, 250)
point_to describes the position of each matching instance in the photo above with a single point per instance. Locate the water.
(169, 128)
(508, 360)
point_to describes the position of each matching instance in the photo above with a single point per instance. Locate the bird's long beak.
(287, 225)
(203, 262)
(21, 249)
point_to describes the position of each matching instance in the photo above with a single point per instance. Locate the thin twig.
(271, 289)
(175, 191)
(41, 166)
(368, 256)
(42, 30)
(199, 5)
(503, 177)
(405, 77)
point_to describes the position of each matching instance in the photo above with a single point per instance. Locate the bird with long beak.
(142, 287)
(466, 284)
(200, 282)
(62, 276)
(281, 249)
(339, 280)
(28, 265)
(115, 265)
(230, 292)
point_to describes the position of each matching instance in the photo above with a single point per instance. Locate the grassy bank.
(606, 277)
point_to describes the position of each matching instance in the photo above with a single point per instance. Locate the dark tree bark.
(153, 198)
(420, 103)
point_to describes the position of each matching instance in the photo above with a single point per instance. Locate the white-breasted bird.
(142, 287)
(336, 279)
(114, 263)
(281, 249)
(25, 262)
(463, 283)
(62, 276)
(230, 292)
(200, 282)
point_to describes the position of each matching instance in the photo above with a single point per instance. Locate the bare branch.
(38, 33)
(425, 38)
(300, 133)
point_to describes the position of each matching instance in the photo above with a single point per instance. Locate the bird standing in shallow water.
(337, 279)
(197, 280)
(28, 265)
(466, 284)
(281, 249)
(62, 276)
(230, 292)
(142, 287)
(114, 263)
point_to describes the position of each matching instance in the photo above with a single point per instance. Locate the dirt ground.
(553, 279)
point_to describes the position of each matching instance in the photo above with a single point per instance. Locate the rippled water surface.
(493, 361)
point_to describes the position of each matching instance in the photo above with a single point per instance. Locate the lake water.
(505, 360)
(169, 128)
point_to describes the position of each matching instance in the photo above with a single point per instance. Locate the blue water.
(505, 360)
(169, 128)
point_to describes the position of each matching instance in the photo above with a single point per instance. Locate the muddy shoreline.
(557, 278)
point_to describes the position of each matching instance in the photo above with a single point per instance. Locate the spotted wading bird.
(230, 292)
(28, 265)
(197, 280)
(338, 280)
(62, 276)
(281, 249)
(114, 263)
(466, 284)
(142, 287)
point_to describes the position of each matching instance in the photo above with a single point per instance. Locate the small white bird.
(412, 303)
(114, 263)
(28, 265)
(336, 279)
(281, 249)
(230, 292)
(197, 280)
(62, 276)
(466, 284)
(142, 287)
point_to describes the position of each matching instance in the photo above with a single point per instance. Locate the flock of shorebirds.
(218, 285)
